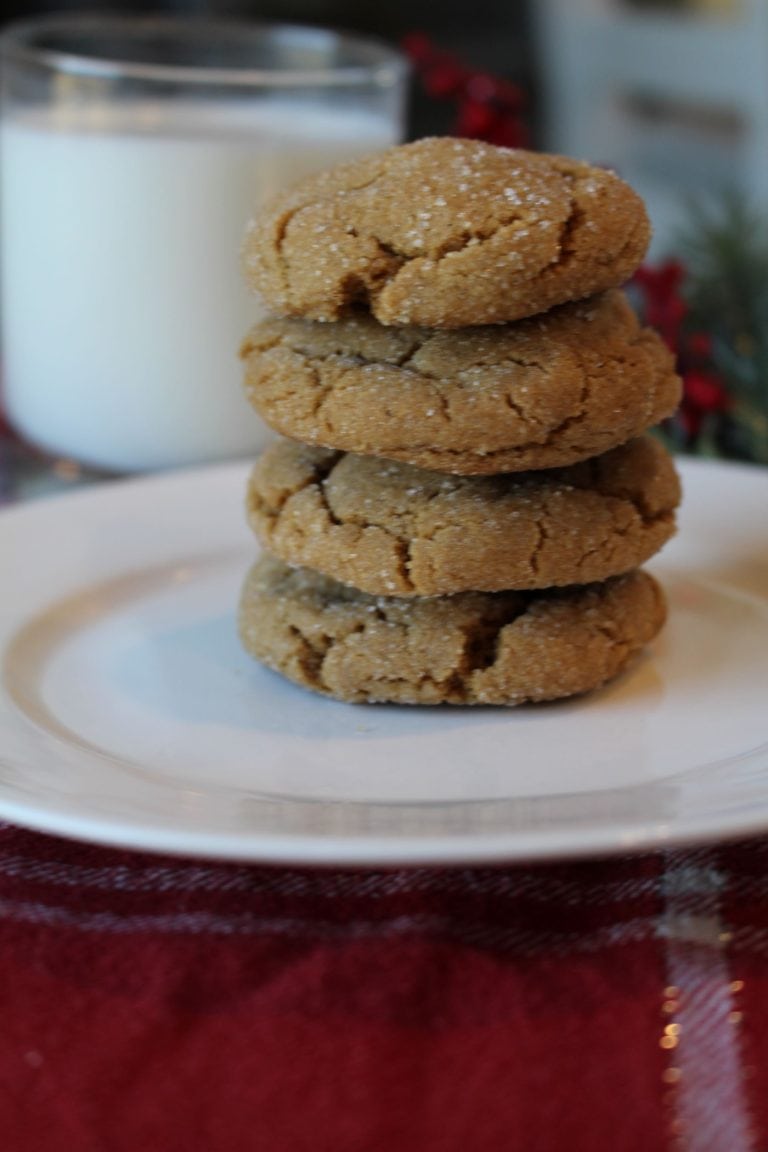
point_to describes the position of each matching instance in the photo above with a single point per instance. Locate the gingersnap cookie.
(474, 648)
(392, 529)
(446, 233)
(537, 394)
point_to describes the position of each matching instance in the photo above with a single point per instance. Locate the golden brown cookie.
(537, 394)
(475, 648)
(446, 233)
(392, 529)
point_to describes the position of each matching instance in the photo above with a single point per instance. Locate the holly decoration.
(711, 307)
(664, 307)
(486, 107)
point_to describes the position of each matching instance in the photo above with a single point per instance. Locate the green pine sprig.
(725, 250)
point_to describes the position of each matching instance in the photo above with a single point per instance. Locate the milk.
(123, 306)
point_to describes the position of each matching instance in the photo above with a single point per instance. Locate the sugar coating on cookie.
(476, 648)
(392, 529)
(539, 393)
(445, 233)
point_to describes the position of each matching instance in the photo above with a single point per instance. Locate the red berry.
(705, 392)
(418, 47)
(475, 120)
(445, 78)
(482, 87)
(510, 133)
(699, 344)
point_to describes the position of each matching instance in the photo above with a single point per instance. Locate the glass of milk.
(133, 152)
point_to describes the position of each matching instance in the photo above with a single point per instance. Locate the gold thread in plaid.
(700, 1027)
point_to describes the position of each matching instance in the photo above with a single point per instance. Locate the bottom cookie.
(473, 648)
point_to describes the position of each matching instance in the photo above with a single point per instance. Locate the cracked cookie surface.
(475, 648)
(537, 394)
(392, 529)
(445, 233)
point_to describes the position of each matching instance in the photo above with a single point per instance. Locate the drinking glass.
(133, 152)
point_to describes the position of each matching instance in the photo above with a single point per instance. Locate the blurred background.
(673, 94)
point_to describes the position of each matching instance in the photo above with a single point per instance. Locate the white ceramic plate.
(129, 715)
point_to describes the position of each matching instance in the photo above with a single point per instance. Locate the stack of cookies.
(464, 493)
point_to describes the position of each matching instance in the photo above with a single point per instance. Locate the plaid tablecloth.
(149, 1003)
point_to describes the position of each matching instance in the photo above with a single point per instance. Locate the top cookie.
(446, 233)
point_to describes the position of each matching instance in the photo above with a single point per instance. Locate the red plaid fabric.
(150, 1003)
